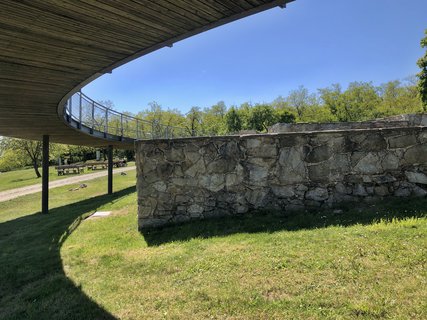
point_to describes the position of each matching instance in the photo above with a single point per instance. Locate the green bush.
(9, 161)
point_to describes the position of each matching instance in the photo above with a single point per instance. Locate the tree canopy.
(422, 63)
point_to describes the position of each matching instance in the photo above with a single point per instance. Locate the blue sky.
(312, 43)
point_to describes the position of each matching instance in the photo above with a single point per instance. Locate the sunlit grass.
(26, 177)
(251, 268)
(367, 263)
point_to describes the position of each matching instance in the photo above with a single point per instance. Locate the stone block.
(342, 189)
(381, 191)
(416, 155)
(283, 191)
(213, 182)
(360, 191)
(160, 186)
(196, 169)
(403, 141)
(319, 154)
(419, 192)
(390, 162)
(402, 192)
(317, 194)
(370, 164)
(416, 177)
(383, 179)
(195, 210)
(319, 172)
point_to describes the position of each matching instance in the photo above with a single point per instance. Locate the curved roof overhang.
(50, 49)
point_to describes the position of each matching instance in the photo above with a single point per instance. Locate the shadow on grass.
(278, 221)
(32, 280)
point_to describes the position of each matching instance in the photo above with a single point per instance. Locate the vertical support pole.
(110, 169)
(45, 176)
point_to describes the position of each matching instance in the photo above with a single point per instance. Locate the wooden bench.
(70, 169)
(104, 164)
(96, 165)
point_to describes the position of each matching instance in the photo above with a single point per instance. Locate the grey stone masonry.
(192, 178)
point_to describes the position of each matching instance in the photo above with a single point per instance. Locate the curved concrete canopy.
(49, 49)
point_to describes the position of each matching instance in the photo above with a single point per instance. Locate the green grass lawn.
(365, 265)
(26, 177)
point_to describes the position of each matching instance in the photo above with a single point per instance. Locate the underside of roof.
(49, 49)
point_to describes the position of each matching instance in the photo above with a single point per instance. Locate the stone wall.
(401, 121)
(178, 180)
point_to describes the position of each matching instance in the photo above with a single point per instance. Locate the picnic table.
(70, 168)
(104, 164)
(97, 165)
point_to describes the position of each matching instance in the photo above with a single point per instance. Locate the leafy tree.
(318, 114)
(422, 63)
(399, 98)
(262, 116)
(301, 99)
(9, 160)
(285, 116)
(158, 118)
(360, 102)
(22, 148)
(194, 121)
(213, 119)
(233, 120)
(332, 98)
(245, 111)
(280, 103)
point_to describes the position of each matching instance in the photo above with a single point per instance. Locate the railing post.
(93, 115)
(137, 129)
(80, 110)
(121, 124)
(71, 108)
(106, 121)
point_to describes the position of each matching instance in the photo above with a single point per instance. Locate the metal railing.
(86, 114)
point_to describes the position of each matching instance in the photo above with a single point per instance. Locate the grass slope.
(27, 177)
(368, 265)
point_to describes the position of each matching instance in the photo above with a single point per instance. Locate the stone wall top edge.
(280, 134)
(405, 120)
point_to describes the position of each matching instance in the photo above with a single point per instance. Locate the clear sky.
(312, 42)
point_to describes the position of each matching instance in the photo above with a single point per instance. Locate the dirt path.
(19, 192)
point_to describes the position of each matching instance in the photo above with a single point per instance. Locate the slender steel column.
(45, 176)
(110, 169)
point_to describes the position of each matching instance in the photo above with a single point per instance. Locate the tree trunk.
(36, 169)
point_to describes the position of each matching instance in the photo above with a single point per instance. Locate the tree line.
(358, 102)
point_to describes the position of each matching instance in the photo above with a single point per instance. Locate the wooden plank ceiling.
(50, 48)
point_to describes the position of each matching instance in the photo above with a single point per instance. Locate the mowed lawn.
(27, 177)
(364, 263)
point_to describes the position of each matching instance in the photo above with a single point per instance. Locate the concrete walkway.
(19, 192)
